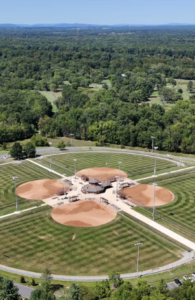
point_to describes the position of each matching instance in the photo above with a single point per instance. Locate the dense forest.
(128, 63)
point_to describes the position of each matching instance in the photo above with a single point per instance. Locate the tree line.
(115, 288)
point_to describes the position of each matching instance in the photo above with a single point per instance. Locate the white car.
(185, 277)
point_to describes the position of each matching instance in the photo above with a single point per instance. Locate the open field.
(25, 172)
(51, 97)
(133, 165)
(36, 241)
(181, 84)
(179, 215)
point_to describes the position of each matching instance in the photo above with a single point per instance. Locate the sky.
(102, 12)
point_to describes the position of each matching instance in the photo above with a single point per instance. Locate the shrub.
(22, 280)
(33, 282)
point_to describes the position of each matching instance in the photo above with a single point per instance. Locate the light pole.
(119, 163)
(152, 137)
(153, 214)
(71, 135)
(75, 161)
(155, 148)
(64, 185)
(116, 187)
(15, 179)
(50, 163)
(138, 244)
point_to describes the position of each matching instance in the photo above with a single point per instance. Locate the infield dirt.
(85, 213)
(40, 189)
(143, 195)
(102, 173)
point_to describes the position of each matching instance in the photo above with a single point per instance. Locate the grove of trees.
(129, 63)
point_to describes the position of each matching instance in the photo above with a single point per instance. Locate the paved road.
(24, 291)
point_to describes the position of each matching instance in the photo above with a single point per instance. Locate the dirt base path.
(101, 173)
(39, 189)
(86, 213)
(143, 194)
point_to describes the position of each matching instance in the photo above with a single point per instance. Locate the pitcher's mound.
(101, 173)
(143, 194)
(39, 189)
(86, 213)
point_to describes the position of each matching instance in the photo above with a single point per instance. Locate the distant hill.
(75, 25)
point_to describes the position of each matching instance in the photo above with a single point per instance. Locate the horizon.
(97, 12)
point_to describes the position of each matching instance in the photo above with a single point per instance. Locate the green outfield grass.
(179, 215)
(34, 241)
(25, 172)
(134, 165)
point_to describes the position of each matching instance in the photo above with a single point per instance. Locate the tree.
(8, 291)
(39, 294)
(115, 279)
(180, 91)
(16, 151)
(74, 292)
(33, 282)
(103, 289)
(22, 280)
(29, 149)
(46, 281)
(190, 86)
(61, 145)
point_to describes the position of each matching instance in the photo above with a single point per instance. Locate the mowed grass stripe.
(7, 189)
(31, 243)
(133, 165)
(182, 210)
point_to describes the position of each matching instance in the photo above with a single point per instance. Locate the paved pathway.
(48, 169)
(163, 174)
(24, 291)
(21, 211)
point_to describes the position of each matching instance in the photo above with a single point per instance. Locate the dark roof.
(94, 181)
(93, 188)
(106, 184)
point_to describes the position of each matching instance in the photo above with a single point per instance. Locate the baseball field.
(34, 240)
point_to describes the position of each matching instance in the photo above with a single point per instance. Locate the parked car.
(193, 274)
(185, 277)
(177, 281)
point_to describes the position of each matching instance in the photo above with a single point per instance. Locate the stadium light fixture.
(153, 214)
(138, 245)
(152, 137)
(155, 148)
(15, 179)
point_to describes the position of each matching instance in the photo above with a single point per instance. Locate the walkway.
(48, 169)
(163, 174)
(21, 211)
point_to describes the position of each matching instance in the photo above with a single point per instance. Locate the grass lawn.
(36, 241)
(178, 215)
(181, 84)
(25, 172)
(51, 97)
(134, 165)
